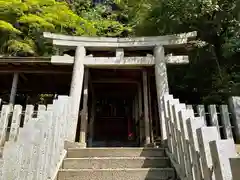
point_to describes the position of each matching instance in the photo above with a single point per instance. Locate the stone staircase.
(116, 164)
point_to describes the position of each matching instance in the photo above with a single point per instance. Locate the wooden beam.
(34, 72)
(119, 80)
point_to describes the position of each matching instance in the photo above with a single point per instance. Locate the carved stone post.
(234, 103)
(162, 85)
(76, 90)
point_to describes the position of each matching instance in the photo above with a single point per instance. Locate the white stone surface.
(11, 165)
(176, 108)
(62, 60)
(124, 61)
(192, 125)
(73, 41)
(201, 111)
(162, 85)
(6, 109)
(213, 116)
(205, 135)
(184, 115)
(166, 112)
(28, 113)
(172, 128)
(221, 151)
(119, 54)
(118, 60)
(1, 169)
(41, 108)
(76, 90)
(227, 127)
(234, 103)
(27, 135)
(15, 123)
(169, 59)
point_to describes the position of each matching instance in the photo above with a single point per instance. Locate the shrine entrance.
(113, 95)
(114, 124)
(116, 107)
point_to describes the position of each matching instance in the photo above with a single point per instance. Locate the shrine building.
(116, 83)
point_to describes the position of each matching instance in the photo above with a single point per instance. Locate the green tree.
(106, 17)
(213, 73)
(22, 24)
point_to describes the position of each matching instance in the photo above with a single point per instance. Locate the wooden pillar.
(76, 90)
(137, 125)
(133, 110)
(141, 124)
(84, 114)
(92, 119)
(14, 89)
(150, 109)
(156, 119)
(146, 108)
(161, 85)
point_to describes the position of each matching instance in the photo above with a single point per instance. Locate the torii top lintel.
(108, 42)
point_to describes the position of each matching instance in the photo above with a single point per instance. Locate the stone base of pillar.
(68, 144)
(82, 145)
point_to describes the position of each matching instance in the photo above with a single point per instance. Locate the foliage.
(106, 17)
(213, 73)
(23, 23)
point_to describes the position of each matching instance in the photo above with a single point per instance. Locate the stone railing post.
(234, 103)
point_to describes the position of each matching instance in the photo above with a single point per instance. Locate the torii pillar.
(162, 81)
(76, 90)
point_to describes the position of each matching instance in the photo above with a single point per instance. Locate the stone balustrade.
(197, 151)
(35, 151)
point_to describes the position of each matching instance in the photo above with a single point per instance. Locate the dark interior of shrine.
(114, 91)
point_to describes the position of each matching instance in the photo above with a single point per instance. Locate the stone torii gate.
(82, 62)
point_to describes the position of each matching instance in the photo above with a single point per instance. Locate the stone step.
(116, 162)
(115, 152)
(117, 174)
